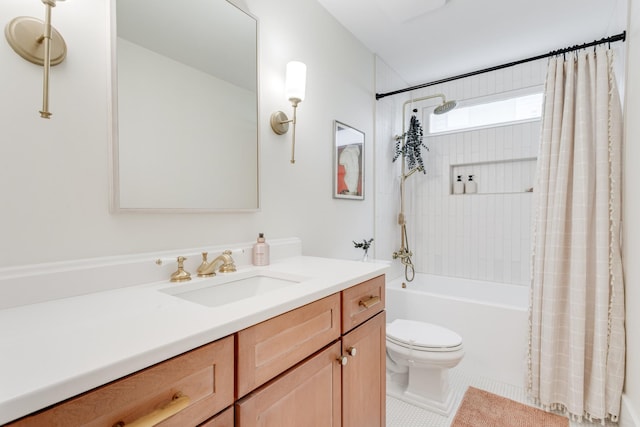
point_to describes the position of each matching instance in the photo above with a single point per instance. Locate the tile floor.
(401, 414)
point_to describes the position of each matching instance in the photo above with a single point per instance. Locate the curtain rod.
(618, 37)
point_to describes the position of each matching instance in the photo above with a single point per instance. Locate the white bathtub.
(492, 319)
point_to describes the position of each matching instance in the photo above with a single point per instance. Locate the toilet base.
(439, 400)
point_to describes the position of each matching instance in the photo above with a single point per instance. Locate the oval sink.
(232, 289)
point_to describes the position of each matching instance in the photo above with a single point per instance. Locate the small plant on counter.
(365, 245)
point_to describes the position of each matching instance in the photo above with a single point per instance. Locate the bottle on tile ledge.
(470, 187)
(458, 186)
(260, 254)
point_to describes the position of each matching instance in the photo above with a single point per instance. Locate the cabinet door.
(363, 377)
(308, 395)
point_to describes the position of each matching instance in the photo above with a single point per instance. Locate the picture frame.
(348, 162)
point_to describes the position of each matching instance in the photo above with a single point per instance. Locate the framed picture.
(348, 162)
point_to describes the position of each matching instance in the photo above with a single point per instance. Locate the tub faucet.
(405, 258)
(403, 254)
(208, 269)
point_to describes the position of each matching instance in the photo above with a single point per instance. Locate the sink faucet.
(208, 269)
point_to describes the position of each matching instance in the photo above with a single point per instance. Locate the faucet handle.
(228, 264)
(180, 275)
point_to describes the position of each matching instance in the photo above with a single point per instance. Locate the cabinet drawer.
(308, 395)
(362, 302)
(204, 377)
(273, 346)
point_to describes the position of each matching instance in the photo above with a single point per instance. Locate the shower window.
(497, 110)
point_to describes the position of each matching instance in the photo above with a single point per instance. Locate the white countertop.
(54, 350)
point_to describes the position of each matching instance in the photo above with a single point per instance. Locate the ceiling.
(459, 36)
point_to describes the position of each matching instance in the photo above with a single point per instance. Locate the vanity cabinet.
(186, 390)
(322, 364)
(343, 384)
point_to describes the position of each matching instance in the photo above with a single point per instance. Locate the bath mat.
(479, 408)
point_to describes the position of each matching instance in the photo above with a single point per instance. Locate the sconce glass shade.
(295, 81)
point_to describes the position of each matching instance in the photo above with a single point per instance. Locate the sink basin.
(226, 290)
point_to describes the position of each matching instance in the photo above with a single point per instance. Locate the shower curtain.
(576, 339)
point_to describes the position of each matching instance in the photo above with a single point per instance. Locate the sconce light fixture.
(38, 42)
(295, 83)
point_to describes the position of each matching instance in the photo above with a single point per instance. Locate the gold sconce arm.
(39, 43)
(280, 125)
(295, 83)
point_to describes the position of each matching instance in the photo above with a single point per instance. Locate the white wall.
(55, 173)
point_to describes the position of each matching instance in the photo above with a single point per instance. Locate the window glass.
(488, 112)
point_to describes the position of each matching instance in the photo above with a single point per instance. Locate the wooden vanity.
(322, 364)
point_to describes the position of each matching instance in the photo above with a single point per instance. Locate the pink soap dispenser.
(260, 251)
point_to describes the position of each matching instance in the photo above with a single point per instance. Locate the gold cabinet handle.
(343, 360)
(177, 404)
(369, 302)
(352, 351)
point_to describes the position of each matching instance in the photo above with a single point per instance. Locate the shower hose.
(409, 269)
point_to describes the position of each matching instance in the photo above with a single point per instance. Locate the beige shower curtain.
(576, 341)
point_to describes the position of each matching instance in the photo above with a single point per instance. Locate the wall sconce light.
(38, 42)
(295, 83)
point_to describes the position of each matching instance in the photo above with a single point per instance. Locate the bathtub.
(492, 319)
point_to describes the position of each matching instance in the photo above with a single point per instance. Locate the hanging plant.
(411, 150)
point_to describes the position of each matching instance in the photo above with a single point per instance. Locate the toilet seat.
(423, 336)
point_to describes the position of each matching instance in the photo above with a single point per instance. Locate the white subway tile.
(484, 236)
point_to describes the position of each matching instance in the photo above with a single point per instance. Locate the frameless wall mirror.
(185, 106)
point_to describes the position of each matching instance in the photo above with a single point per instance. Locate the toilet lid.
(410, 333)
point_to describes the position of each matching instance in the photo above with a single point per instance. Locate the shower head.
(445, 107)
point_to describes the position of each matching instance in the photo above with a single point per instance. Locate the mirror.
(348, 162)
(185, 106)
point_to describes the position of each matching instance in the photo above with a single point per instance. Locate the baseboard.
(628, 416)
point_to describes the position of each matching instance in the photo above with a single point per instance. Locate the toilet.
(419, 356)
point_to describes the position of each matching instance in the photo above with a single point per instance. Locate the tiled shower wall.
(485, 236)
